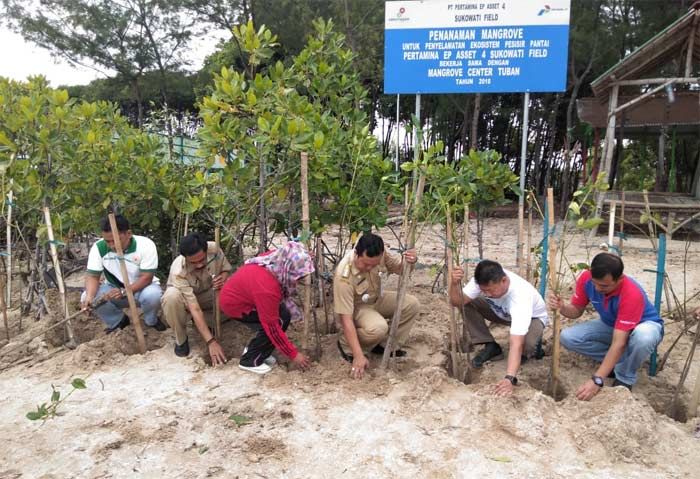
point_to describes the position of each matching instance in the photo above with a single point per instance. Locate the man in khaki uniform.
(363, 307)
(200, 269)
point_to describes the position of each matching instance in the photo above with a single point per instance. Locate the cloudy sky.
(21, 59)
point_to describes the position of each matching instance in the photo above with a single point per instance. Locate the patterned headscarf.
(287, 264)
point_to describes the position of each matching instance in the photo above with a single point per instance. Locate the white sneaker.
(262, 369)
(270, 360)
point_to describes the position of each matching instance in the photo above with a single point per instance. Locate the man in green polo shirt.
(141, 260)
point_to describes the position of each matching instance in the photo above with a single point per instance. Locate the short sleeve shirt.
(191, 281)
(353, 289)
(521, 303)
(621, 309)
(140, 256)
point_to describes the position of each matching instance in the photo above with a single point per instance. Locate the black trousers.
(260, 347)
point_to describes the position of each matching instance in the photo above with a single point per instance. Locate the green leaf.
(78, 383)
(55, 396)
(575, 208)
(589, 223)
(500, 458)
(34, 415)
(240, 420)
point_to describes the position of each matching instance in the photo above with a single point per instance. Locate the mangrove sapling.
(49, 410)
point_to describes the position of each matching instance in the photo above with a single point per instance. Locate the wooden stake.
(187, 224)
(611, 224)
(3, 306)
(465, 242)
(695, 397)
(456, 365)
(217, 310)
(405, 272)
(9, 249)
(554, 282)
(305, 232)
(622, 222)
(135, 318)
(71, 344)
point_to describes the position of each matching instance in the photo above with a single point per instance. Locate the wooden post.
(187, 224)
(217, 310)
(554, 282)
(136, 320)
(405, 272)
(454, 356)
(611, 224)
(71, 344)
(9, 249)
(622, 222)
(305, 232)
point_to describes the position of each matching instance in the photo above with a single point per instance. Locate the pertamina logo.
(400, 16)
(547, 9)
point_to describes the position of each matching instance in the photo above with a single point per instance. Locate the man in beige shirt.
(200, 269)
(363, 307)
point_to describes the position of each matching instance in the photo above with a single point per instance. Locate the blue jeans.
(593, 339)
(111, 313)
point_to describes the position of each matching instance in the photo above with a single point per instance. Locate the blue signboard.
(453, 46)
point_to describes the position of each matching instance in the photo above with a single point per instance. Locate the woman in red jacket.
(260, 295)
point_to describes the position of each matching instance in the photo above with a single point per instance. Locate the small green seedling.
(240, 420)
(48, 411)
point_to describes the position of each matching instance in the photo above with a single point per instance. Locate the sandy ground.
(156, 415)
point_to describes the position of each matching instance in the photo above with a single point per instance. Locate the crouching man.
(195, 275)
(627, 331)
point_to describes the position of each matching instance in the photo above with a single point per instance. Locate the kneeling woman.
(260, 295)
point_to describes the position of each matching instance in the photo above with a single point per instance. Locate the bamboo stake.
(127, 285)
(71, 344)
(95, 304)
(217, 310)
(187, 224)
(405, 272)
(695, 397)
(3, 306)
(9, 248)
(305, 232)
(465, 242)
(456, 366)
(611, 224)
(553, 272)
(622, 222)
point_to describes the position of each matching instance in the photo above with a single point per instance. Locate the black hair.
(607, 264)
(370, 244)
(193, 243)
(122, 224)
(488, 271)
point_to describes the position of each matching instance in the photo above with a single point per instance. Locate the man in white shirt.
(503, 297)
(141, 260)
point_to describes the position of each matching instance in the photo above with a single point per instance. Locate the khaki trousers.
(177, 315)
(372, 321)
(477, 311)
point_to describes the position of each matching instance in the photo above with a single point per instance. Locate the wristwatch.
(513, 380)
(598, 381)
(123, 292)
